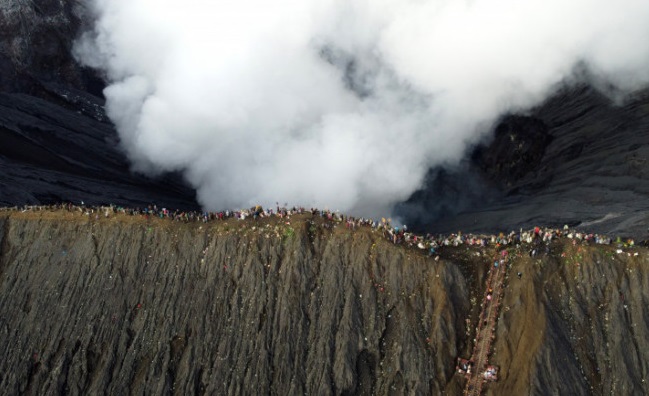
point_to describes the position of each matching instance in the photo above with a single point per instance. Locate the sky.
(340, 104)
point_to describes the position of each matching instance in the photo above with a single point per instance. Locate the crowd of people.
(537, 237)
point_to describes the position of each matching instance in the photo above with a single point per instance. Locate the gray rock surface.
(36, 39)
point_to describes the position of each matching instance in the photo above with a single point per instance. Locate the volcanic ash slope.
(128, 305)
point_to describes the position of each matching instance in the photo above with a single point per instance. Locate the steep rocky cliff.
(129, 305)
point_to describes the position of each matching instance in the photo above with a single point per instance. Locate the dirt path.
(486, 328)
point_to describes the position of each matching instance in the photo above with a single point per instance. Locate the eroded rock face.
(574, 323)
(129, 305)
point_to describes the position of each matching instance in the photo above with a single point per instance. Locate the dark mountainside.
(56, 143)
(128, 305)
(577, 159)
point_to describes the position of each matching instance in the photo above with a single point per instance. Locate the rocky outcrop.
(292, 306)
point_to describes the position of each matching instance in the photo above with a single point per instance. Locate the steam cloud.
(339, 103)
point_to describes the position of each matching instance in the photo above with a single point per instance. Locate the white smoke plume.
(339, 103)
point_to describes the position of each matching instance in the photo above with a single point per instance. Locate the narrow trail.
(480, 371)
